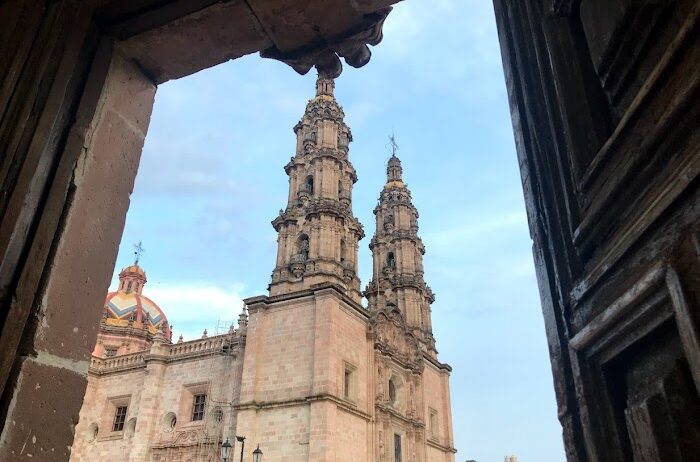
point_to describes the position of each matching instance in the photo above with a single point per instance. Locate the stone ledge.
(341, 403)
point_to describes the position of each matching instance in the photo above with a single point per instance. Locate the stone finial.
(324, 85)
(205, 334)
(393, 169)
(179, 339)
(160, 335)
(243, 319)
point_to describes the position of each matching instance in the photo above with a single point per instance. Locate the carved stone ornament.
(186, 436)
(297, 266)
(325, 55)
(392, 338)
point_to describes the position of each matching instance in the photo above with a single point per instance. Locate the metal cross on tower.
(393, 145)
(138, 251)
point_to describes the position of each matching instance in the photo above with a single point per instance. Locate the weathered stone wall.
(349, 423)
(293, 376)
(152, 388)
(350, 435)
(98, 410)
(54, 373)
(436, 396)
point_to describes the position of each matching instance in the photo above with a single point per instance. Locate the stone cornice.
(318, 206)
(263, 301)
(437, 445)
(313, 152)
(390, 411)
(341, 403)
(344, 276)
(402, 280)
(128, 330)
(444, 367)
(394, 235)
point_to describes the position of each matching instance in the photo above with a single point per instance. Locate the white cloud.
(192, 307)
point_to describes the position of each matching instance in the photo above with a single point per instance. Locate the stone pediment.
(394, 339)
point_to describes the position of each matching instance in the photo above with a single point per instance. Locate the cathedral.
(309, 373)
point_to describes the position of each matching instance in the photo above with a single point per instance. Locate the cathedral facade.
(309, 374)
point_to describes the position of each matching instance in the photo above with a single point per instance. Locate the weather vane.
(393, 145)
(138, 251)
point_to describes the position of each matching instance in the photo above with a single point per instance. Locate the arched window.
(391, 260)
(303, 246)
(343, 249)
(309, 184)
(128, 287)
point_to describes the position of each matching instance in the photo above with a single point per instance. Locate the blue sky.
(211, 179)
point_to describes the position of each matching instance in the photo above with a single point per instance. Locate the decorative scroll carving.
(392, 338)
(350, 45)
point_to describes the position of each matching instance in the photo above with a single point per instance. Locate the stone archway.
(77, 85)
(601, 95)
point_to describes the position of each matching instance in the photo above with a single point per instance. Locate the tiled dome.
(128, 306)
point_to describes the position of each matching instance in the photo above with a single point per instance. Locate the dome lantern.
(128, 307)
(132, 279)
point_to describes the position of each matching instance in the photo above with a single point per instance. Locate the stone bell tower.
(317, 233)
(397, 255)
(324, 378)
(412, 407)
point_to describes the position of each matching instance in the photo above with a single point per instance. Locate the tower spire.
(393, 167)
(317, 233)
(397, 255)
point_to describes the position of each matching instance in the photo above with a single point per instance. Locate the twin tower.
(323, 377)
(310, 375)
(319, 236)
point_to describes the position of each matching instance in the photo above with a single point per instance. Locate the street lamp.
(226, 450)
(257, 454)
(241, 439)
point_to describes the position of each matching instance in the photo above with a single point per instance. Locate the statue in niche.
(391, 260)
(304, 248)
